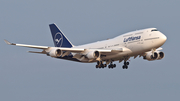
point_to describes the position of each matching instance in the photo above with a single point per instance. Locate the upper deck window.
(154, 30)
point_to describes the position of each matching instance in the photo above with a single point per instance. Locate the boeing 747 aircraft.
(144, 43)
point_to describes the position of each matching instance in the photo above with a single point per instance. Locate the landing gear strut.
(125, 66)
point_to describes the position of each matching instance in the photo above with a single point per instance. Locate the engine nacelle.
(161, 55)
(149, 56)
(93, 55)
(157, 56)
(55, 53)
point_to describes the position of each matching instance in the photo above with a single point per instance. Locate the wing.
(45, 47)
(79, 53)
(24, 45)
(76, 50)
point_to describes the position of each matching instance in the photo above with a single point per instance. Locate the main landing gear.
(125, 66)
(101, 65)
(111, 66)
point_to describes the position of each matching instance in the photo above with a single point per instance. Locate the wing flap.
(117, 50)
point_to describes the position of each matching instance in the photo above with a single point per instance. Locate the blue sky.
(36, 77)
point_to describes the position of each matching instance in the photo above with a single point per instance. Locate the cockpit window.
(154, 30)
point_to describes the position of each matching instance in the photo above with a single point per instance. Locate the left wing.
(75, 50)
(62, 51)
(45, 47)
(24, 45)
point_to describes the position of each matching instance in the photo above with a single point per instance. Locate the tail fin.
(59, 38)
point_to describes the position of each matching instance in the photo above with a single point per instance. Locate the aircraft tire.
(123, 67)
(97, 66)
(127, 63)
(110, 66)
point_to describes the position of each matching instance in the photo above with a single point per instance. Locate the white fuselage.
(144, 43)
(138, 42)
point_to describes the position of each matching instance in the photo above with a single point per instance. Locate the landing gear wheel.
(127, 63)
(126, 67)
(102, 66)
(123, 67)
(97, 66)
(110, 66)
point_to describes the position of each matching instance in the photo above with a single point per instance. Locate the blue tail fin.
(59, 38)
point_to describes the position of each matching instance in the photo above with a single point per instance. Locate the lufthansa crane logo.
(58, 38)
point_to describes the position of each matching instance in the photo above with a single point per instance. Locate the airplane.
(144, 43)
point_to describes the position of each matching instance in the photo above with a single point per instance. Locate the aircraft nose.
(163, 38)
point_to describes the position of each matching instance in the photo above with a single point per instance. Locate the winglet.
(7, 42)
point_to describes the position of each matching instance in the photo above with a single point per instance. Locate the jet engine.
(157, 56)
(149, 56)
(93, 55)
(161, 55)
(55, 53)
